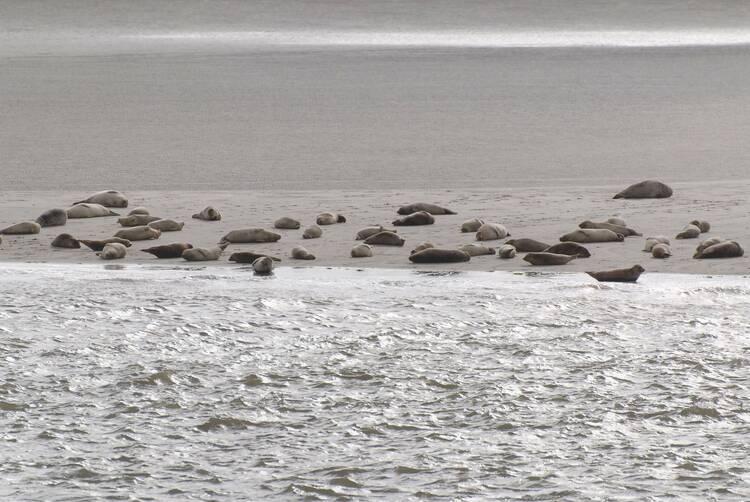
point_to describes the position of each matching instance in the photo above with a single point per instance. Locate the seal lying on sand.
(589, 235)
(385, 239)
(361, 251)
(617, 221)
(139, 210)
(653, 241)
(263, 265)
(648, 189)
(414, 219)
(476, 250)
(166, 225)
(491, 232)
(300, 253)
(53, 218)
(527, 245)
(286, 223)
(369, 231)
(435, 255)
(619, 275)
(66, 241)
(329, 219)
(689, 232)
(726, 249)
(569, 248)
(99, 245)
(208, 214)
(548, 258)
(661, 250)
(89, 211)
(250, 236)
(141, 233)
(204, 254)
(107, 198)
(169, 250)
(424, 245)
(471, 225)
(136, 220)
(506, 252)
(25, 228)
(708, 243)
(703, 225)
(424, 206)
(312, 232)
(248, 257)
(618, 229)
(113, 251)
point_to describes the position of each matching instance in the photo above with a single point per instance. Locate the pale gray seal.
(435, 255)
(141, 233)
(619, 275)
(703, 225)
(661, 250)
(424, 245)
(136, 220)
(89, 211)
(113, 251)
(99, 245)
(726, 249)
(361, 251)
(107, 198)
(169, 250)
(527, 245)
(250, 236)
(476, 250)
(543, 258)
(569, 248)
(424, 206)
(263, 265)
(208, 214)
(249, 257)
(506, 251)
(618, 229)
(414, 219)
(204, 254)
(491, 232)
(66, 241)
(300, 253)
(329, 219)
(589, 235)
(385, 239)
(689, 232)
(312, 232)
(648, 189)
(53, 218)
(25, 228)
(653, 241)
(286, 223)
(166, 225)
(471, 225)
(139, 210)
(617, 221)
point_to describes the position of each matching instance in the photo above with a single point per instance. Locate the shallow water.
(212, 384)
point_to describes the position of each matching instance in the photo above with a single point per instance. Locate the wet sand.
(540, 213)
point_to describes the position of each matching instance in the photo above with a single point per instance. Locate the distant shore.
(540, 213)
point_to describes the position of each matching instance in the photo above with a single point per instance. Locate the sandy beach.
(539, 213)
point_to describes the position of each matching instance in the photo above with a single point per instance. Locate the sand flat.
(540, 213)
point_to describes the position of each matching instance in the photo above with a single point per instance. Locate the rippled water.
(213, 384)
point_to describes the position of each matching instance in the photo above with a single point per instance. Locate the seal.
(263, 265)
(300, 253)
(166, 225)
(89, 211)
(248, 257)
(204, 254)
(726, 249)
(136, 220)
(708, 242)
(169, 250)
(250, 236)
(689, 232)
(361, 251)
(286, 223)
(53, 218)
(369, 231)
(141, 233)
(649, 189)
(661, 250)
(113, 251)
(527, 245)
(435, 255)
(506, 252)
(208, 214)
(25, 228)
(65, 241)
(589, 235)
(99, 245)
(329, 219)
(703, 225)
(619, 275)
(569, 248)
(312, 232)
(385, 239)
(414, 219)
(424, 206)
(491, 232)
(471, 225)
(617, 221)
(139, 210)
(543, 258)
(476, 250)
(107, 198)
(653, 241)
(618, 229)
(424, 245)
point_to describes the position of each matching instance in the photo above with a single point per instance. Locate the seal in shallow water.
(424, 206)
(619, 275)
(435, 255)
(543, 258)
(107, 198)
(649, 189)
(263, 265)
(53, 218)
(174, 250)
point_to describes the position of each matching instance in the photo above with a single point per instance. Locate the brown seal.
(66, 241)
(249, 257)
(414, 219)
(569, 248)
(426, 207)
(649, 189)
(619, 275)
(169, 250)
(527, 245)
(435, 255)
(543, 258)
(385, 239)
(726, 249)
